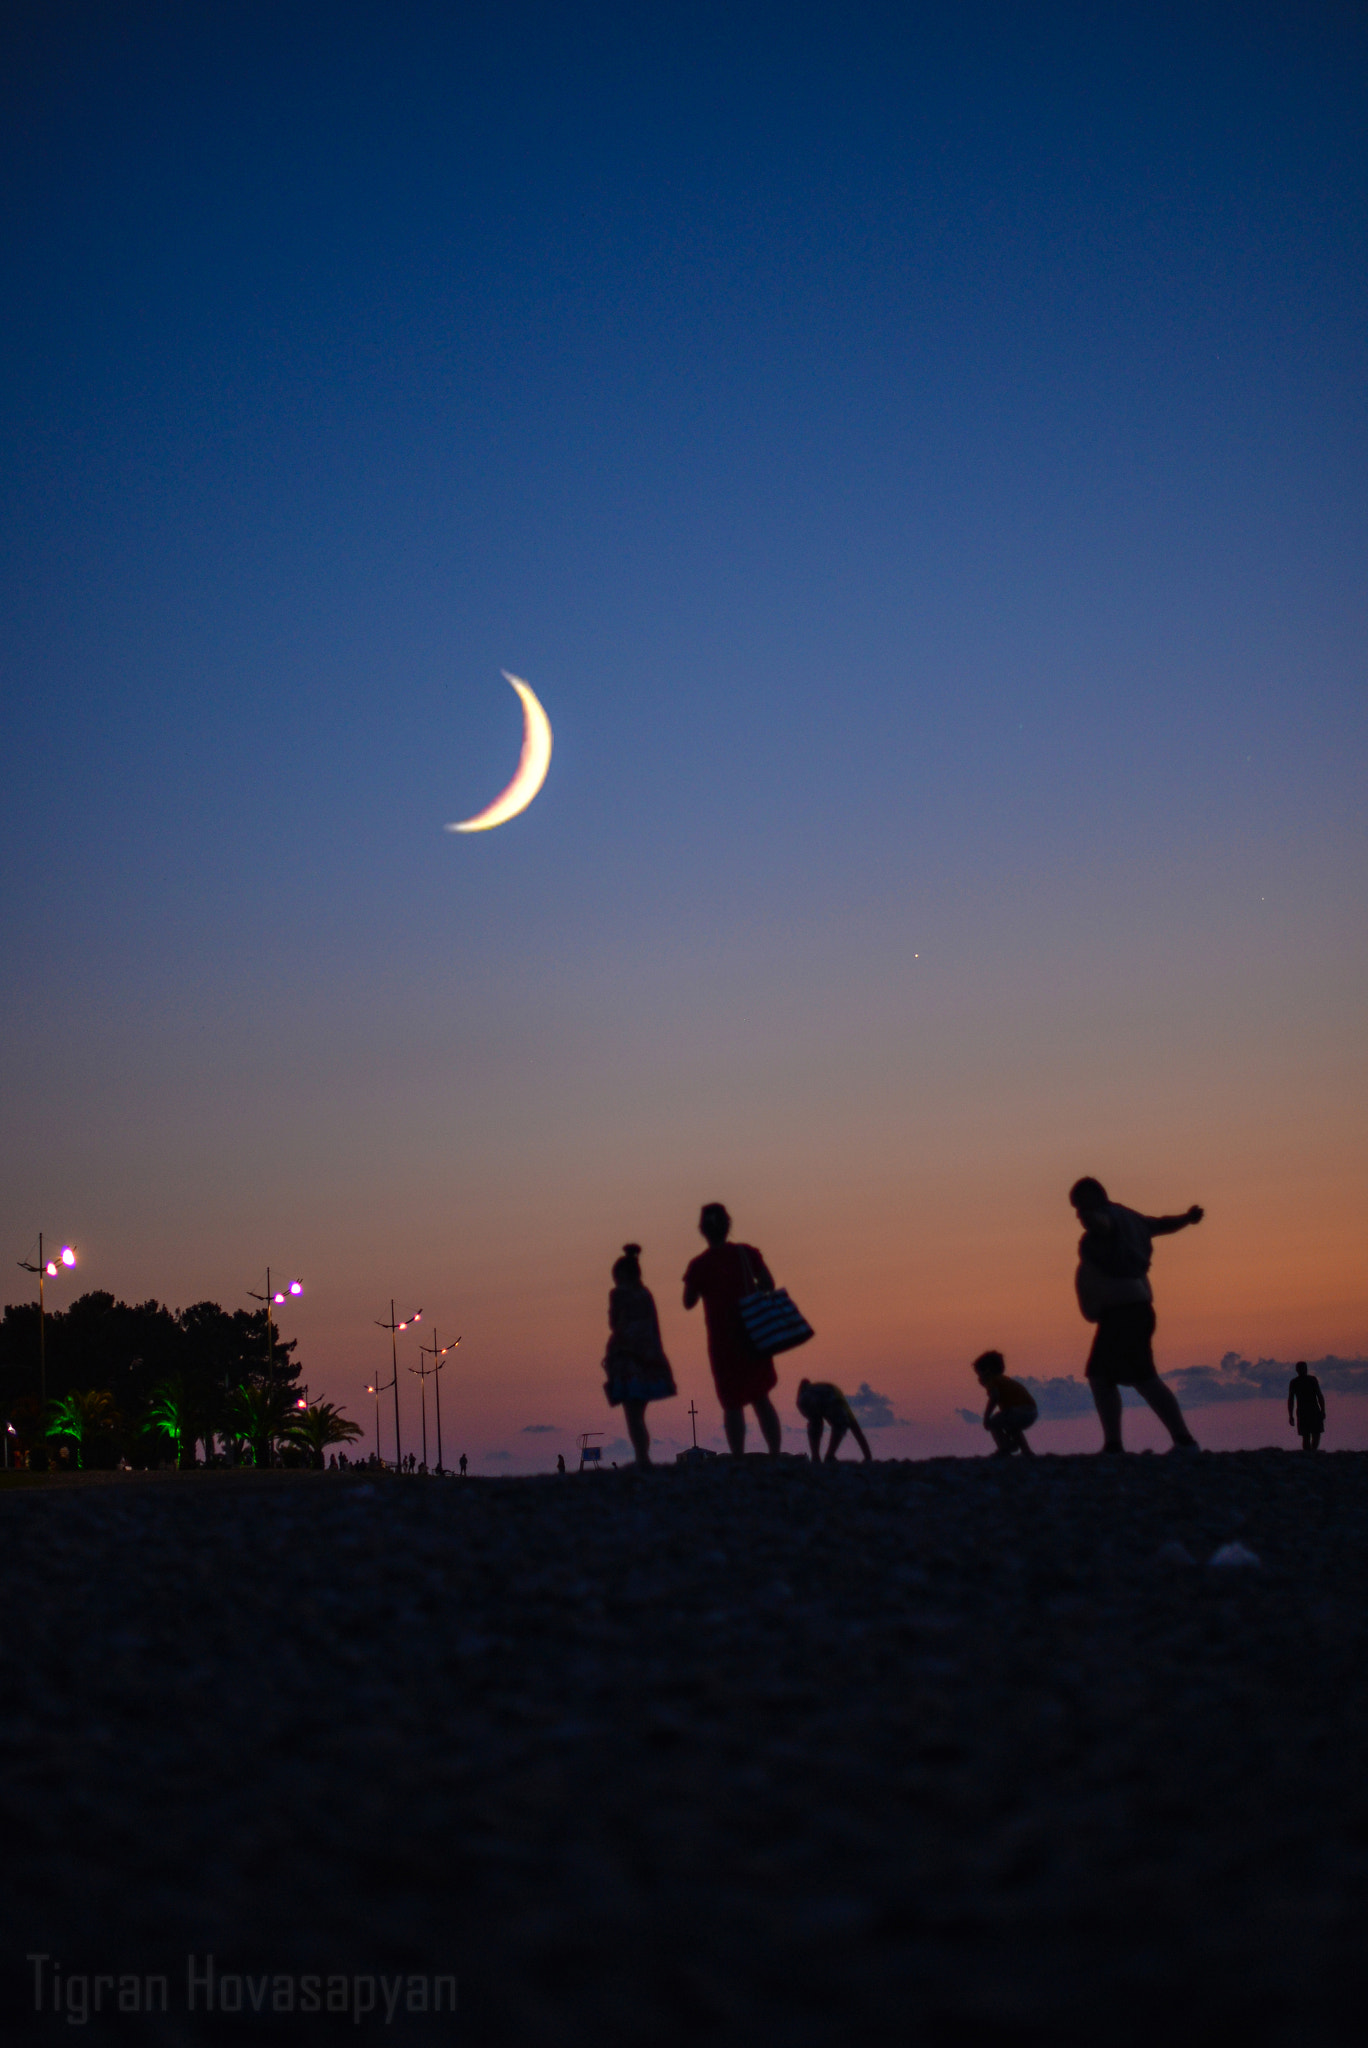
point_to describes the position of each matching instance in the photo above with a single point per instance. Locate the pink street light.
(46, 1269)
(394, 1327)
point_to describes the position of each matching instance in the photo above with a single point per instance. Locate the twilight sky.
(919, 458)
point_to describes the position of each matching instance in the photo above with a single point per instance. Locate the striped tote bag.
(773, 1321)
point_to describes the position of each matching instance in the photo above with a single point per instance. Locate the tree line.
(144, 1385)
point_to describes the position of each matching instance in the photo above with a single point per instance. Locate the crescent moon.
(533, 763)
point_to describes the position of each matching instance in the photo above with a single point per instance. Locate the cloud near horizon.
(875, 1411)
(1201, 1386)
(541, 1429)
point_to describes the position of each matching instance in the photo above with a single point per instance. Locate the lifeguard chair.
(590, 1453)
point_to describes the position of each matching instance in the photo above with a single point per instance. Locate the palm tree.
(261, 1415)
(167, 1414)
(316, 1427)
(80, 1416)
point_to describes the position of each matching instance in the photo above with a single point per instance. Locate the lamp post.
(436, 1353)
(393, 1329)
(272, 1299)
(377, 1390)
(46, 1269)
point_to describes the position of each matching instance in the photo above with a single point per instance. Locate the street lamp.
(393, 1328)
(46, 1269)
(436, 1353)
(272, 1298)
(376, 1389)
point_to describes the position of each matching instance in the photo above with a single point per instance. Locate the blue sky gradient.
(918, 458)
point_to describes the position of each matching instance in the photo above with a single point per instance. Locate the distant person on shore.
(1011, 1408)
(463, 1464)
(1306, 1407)
(1114, 1292)
(820, 1401)
(560, 1463)
(720, 1277)
(635, 1367)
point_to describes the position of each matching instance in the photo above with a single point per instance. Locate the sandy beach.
(903, 1753)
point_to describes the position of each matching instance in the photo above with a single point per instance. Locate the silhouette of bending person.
(1011, 1408)
(635, 1366)
(1114, 1292)
(1306, 1407)
(819, 1401)
(743, 1376)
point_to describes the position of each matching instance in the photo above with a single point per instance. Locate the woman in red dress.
(743, 1376)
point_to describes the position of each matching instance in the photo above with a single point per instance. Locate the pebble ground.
(944, 1752)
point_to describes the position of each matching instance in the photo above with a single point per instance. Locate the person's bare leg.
(1023, 1444)
(1107, 1401)
(815, 1441)
(1164, 1402)
(771, 1429)
(634, 1413)
(837, 1438)
(734, 1422)
(862, 1440)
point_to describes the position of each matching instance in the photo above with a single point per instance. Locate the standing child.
(1011, 1407)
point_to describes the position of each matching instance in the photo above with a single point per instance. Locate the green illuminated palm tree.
(262, 1415)
(168, 1412)
(80, 1417)
(313, 1429)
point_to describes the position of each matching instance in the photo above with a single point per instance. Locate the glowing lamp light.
(301, 1403)
(277, 1297)
(296, 1287)
(51, 1269)
(68, 1256)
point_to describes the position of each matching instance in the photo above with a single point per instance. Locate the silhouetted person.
(463, 1464)
(720, 1277)
(821, 1401)
(635, 1366)
(560, 1461)
(1114, 1292)
(1011, 1407)
(1306, 1407)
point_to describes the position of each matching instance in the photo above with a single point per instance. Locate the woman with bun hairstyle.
(635, 1366)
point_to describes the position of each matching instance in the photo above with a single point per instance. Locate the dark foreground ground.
(910, 1754)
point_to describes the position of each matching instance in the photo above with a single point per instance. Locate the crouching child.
(1011, 1407)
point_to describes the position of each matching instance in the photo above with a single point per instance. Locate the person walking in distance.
(635, 1367)
(1306, 1407)
(720, 1277)
(1114, 1292)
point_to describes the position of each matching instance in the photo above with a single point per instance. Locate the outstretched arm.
(1164, 1226)
(691, 1294)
